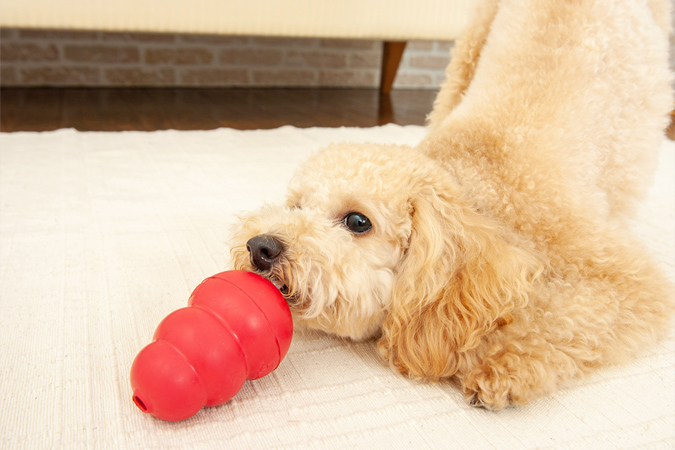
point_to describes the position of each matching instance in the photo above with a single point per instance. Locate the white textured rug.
(104, 234)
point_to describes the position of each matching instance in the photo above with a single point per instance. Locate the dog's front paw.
(491, 389)
(474, 401)
(479, 398)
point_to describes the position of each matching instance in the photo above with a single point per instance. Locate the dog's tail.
(465, 56)
(661, 10)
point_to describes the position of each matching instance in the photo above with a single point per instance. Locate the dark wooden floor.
(37, 109)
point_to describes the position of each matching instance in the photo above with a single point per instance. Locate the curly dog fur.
(497, 251)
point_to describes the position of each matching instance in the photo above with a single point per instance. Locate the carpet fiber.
(103, 234)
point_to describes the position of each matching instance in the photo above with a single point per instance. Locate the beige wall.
(72, 58)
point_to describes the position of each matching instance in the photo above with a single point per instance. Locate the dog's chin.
(300, 303)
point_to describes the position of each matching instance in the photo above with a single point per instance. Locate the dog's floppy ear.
(460, 279)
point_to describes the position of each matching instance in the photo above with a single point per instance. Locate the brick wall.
(82, 58)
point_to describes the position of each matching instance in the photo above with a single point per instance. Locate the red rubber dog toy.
(237, 327)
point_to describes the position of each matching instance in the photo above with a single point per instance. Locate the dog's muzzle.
(264, 251)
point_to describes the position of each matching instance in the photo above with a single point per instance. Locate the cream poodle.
(497, 251)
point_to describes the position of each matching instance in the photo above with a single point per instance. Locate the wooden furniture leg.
(392, 51)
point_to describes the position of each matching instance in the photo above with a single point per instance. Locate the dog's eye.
(357, 223)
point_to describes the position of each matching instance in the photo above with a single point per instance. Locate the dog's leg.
(517, 374)
(607, 307)
(465, 57)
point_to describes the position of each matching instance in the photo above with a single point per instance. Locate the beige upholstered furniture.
(393, 21)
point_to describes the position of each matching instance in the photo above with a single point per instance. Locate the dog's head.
(379, 240)
(334, 248)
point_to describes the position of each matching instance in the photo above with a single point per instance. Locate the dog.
(497, 251)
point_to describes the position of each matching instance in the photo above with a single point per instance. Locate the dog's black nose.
(265, 251)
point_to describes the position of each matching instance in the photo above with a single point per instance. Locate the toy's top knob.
(254, 311)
